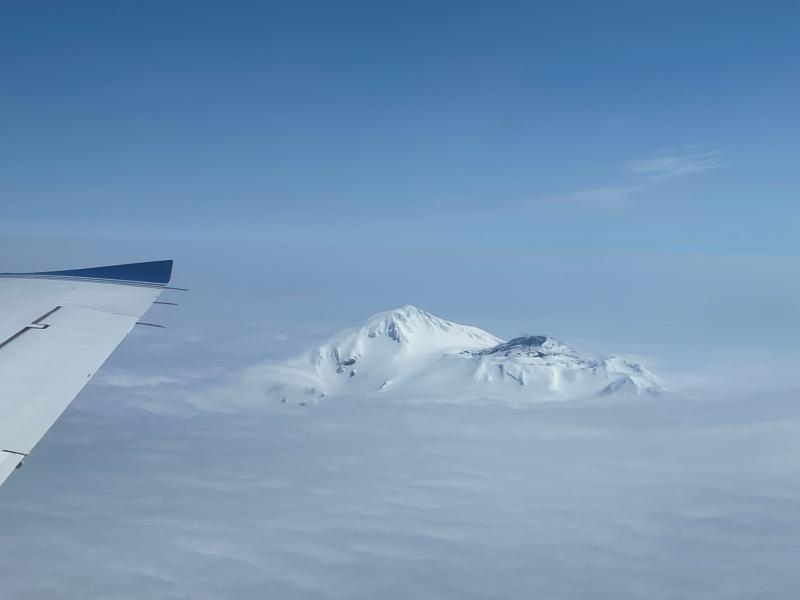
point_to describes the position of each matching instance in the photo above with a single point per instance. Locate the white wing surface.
(56, 330)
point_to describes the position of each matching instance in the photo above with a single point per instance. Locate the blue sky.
(290, 118)
(587, 159)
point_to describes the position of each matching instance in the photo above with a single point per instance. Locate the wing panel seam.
(27, 328)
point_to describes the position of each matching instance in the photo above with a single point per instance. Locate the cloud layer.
(648, 500)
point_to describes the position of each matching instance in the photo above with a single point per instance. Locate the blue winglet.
(157, 272)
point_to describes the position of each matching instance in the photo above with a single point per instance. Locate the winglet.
(157, 272)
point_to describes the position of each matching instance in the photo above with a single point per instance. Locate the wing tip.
(158, 272)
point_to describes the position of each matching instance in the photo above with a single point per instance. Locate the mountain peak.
(408, 323)
(409, 309)
(407, 312)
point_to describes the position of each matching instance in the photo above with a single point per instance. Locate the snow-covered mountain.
(411, 352)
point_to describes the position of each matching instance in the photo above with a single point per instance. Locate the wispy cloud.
(602, 197)
(132, 380)
(642, 176)
(671, 163)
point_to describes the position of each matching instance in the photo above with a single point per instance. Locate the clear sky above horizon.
(664, 126)
(635, 161)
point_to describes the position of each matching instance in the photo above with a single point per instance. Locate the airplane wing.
(57, 328)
